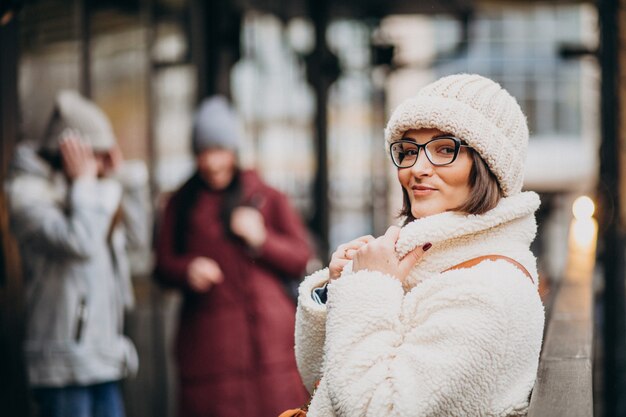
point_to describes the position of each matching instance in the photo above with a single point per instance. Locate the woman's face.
(104, 162)
(216, 167)
(435, 189)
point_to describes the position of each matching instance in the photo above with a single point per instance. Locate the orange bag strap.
(302, 411)
(475, 261)
(296, 412)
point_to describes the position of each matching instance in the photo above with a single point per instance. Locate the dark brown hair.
(485, 192)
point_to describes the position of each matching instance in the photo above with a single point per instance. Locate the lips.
(422, 188)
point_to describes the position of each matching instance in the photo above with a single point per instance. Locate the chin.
(219, 183)
(420, 212)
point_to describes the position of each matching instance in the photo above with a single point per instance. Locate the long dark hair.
(187, 197)
(52, 158)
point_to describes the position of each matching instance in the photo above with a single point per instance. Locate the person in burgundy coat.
(227, 240)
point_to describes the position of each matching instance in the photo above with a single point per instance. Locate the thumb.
(392, 233)
(410, 259)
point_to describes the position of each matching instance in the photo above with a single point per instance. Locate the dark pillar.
(159, 398)
(83, 23)
(14, 397)
(322, 71)
(215, 39)
(610, 215)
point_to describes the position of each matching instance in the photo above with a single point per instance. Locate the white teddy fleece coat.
(464, 342)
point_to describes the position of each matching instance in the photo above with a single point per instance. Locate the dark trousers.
(98, 400)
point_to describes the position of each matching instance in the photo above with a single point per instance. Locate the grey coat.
(76, 270)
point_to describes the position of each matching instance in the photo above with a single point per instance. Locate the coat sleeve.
(441, 349)
(286, 248)
(37, 220)
(310, 330)
(170, 266)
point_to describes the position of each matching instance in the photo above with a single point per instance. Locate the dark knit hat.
(216, 125)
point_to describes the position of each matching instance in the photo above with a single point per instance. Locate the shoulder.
(251, 179)
(495, 285)
(24, 190)
(491, 304)
(255, 187)
(188, 188)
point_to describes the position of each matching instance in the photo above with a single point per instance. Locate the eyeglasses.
(440, 151)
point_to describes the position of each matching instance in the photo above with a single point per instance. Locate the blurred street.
(313, 83)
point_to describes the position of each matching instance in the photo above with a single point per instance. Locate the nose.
(422, 167)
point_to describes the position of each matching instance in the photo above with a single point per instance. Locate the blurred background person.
(75, 206)
(229, 241)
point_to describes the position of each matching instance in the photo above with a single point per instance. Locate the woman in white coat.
(440, 317)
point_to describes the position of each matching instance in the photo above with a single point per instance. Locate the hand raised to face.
(78, 158)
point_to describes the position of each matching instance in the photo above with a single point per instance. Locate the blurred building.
(314, 82)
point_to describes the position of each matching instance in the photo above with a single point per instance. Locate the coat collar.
(508, 230)
(453, 225)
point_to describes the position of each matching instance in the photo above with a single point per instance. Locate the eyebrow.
(434, 137)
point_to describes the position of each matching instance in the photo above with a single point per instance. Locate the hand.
(380, 255)
(248, 224)
(204, 273)
(115, 159)
(344, 254)
(77, 156)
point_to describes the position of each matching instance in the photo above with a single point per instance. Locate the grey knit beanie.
(73, 111)
(216, 125)
(476, 110)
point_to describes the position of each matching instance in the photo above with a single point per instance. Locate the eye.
(404, 150)
(445, 149)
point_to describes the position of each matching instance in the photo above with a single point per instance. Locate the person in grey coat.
(75, 208)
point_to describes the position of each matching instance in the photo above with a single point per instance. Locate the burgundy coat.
(234, 346)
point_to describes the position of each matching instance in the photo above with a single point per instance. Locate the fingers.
(375, 254)
(335, 268)
(216, 276)
(199, 285)
(365, 239)
(71, 154)
(78, 159)
(246, 217)
(386, 242)
(344, 254)
(69, 147)
(357, 244)
(410, 259)
(348, 250)
(381, 255)
(204, 273)
(248, 223)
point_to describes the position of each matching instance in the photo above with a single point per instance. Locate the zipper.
(81, 319)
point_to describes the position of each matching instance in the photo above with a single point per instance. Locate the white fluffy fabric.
(460, 343)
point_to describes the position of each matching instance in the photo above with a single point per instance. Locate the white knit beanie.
(474, 109)
(73, 111)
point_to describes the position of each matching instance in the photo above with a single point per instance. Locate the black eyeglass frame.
(458, 143)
